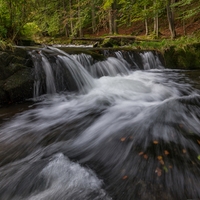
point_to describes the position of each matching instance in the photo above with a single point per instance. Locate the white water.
(113, 134)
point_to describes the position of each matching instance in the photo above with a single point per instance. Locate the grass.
(162, 44)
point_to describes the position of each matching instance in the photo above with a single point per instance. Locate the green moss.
(107, 42)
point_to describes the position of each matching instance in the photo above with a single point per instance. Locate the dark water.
(124, 133)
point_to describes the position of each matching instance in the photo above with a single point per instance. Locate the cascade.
(64, 72)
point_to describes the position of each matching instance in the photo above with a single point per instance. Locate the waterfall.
(150, 61)
(61, 71)
(65, 72)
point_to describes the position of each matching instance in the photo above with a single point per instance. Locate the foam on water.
(67, 180)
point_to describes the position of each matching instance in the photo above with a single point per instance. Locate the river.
(124, 133)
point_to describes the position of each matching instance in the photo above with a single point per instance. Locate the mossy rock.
(19, 86)
(10, 66)
(20, 52)
(14, 67)
(5, 59)
(107, 42)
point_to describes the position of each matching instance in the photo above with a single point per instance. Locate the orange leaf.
(125, 177)
(184, 150)
(141, 153)
(155, 142)
(159, 157)
(161, 162)
(166, 152)
(123, 139)
(145, 156)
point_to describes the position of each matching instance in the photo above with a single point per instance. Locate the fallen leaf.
(198, 157)
(159, 157)
(170, 167)
(123, 139)
(184, 150)
(155, 142)
(166, 152)
(198, 141)
(141, 153)
(158, 171)
(161, 162)
(145, 156)
(125, 177)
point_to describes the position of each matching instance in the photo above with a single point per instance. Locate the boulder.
(16, 79)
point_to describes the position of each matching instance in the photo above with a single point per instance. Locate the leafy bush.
(30, 30)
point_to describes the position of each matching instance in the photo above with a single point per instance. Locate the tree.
(170, 17)
(111, 7)
(15, 14)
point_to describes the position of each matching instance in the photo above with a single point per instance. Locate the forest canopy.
(76, 18)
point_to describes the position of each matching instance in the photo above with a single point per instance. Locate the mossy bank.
(187, 57)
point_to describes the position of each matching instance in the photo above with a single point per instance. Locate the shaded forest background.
(34, 19)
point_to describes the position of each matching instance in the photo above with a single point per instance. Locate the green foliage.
(25, 18)
(29, 30)
(187, 8)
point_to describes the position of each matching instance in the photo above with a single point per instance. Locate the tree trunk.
(110, 19)
(71, 17)
(115, 29)
(112, 15)
(184, 30)
(79, 20)
(146, 23)
(170, 17)
(94, 25)
(156, 25)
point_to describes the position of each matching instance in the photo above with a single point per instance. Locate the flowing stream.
(115, 129)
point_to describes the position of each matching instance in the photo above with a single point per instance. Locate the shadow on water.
(126, 134)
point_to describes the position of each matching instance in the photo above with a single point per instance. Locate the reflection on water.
(130, 136)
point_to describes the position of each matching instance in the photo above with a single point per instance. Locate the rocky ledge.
(16, 79)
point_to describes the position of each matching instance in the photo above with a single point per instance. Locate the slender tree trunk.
(170, 17)
(93, 17)
(79, 20)
(10, 30)
(115, 28)
(146, 23)
(184, 30)
(156, 25)
(66, 26)
(156, 20)
(110, 19)
(71, 17)
(112, 15)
